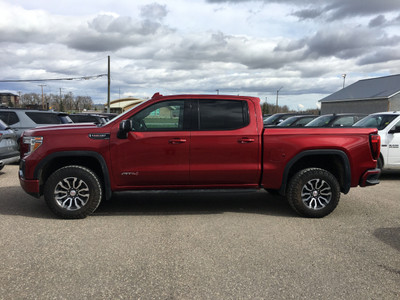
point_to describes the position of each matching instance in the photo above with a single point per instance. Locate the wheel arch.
(334, 161)
(90, 159)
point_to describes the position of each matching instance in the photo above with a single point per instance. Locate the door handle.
(245, 141)
(177, 141)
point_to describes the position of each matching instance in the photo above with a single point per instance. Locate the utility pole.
(277, 92)
(108, 93)
(344, 79)
(19, 99)
(42, 85)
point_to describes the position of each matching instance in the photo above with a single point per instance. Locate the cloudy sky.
(198, 46)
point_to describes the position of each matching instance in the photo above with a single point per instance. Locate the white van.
(388, 125)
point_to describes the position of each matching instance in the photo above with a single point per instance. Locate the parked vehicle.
(88, 118)
(388, 124)
(21, 119)
(8, 146)
(297, 121)
(275, 119)
(110, 116)
(336, 120)
(195, 142)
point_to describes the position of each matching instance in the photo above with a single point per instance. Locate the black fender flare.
(93, 154)
(339, 153)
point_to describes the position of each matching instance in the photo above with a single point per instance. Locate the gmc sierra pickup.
(195, 142)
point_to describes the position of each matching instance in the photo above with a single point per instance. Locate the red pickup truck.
(195, 142)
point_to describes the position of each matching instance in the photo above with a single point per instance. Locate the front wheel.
(73, 192)
(313, 193)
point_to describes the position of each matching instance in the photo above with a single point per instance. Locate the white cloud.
(237, 47)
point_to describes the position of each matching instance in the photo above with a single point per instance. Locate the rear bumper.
(370, 177)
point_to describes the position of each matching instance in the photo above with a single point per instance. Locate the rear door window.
(222, 114)
(43, 118)
(9, 117)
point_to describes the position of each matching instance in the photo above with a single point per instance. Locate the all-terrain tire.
(73, 192)
(379, 164)
(313, 193)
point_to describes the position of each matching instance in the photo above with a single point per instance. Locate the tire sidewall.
(82, 173)
(295, 189)
(380, 163)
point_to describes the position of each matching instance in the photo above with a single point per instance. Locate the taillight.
(375, 142)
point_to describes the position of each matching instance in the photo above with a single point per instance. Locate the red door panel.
(152, 159)
(229, 157)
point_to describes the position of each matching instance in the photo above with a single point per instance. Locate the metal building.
(365, 96)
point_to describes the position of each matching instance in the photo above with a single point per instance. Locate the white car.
(388, 125)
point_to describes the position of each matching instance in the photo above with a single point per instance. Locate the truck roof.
(157, 96)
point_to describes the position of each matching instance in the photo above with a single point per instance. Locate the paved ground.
(201, 246)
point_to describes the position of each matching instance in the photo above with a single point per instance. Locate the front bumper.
(370, 177)
(30, 186)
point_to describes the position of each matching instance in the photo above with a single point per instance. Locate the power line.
(55, 79)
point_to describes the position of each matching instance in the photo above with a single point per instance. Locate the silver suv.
(8, 146)
(21, 119)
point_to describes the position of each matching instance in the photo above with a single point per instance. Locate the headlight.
(30, 144)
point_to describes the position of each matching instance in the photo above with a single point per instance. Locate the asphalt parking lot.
(201, 246)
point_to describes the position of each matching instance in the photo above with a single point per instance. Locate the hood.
(61, 129)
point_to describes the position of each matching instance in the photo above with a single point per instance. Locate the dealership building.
(365, 96)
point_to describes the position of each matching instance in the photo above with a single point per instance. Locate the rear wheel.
(313, 193)
(73, 192)
(380, 163)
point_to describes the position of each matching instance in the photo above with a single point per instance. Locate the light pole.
(19, 99)
(277, 93)
(42, 85)
(344, 79)
(108, 85)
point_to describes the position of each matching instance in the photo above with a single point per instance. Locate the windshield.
(320, 121)
(271, 120)
(288, 122)
(376, 121)
(296, 121)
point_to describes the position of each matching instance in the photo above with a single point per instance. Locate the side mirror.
(395, 129)
(124, 127)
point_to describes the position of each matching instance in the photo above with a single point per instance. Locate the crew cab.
(388, 125)
(195, 142)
